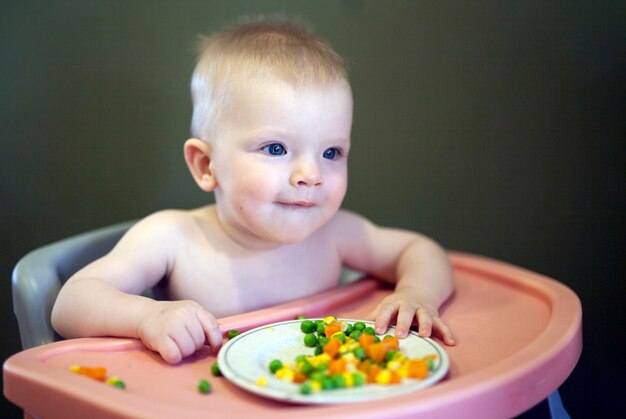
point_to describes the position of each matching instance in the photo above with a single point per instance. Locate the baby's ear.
(198, 159)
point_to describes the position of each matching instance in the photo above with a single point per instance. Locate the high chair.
(38, 276)
(519, 336)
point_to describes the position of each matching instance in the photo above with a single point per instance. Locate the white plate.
(246, 358)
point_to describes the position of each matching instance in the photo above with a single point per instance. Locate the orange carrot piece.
(392, 343)
(373, 372)
(418, 368)
(395, 378)
(331, 329)
(337, 366)
(365, 340)
(97, 373)
(364, 366)
(332, 347)
(377, 352)
(299, 377)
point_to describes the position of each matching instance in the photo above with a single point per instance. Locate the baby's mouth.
(298, 204)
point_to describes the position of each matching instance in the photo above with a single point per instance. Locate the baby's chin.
(293, 234)
(291, 237)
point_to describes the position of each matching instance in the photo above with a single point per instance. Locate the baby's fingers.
(424, 321)
(406, 314)
(384, 314)
(211, 330)
(169, 350)
(444, 330)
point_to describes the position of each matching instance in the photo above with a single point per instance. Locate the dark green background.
(494, 127)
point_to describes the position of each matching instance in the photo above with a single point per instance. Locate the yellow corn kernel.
(403, 371)
(348, 347)
(316, 386)
(261, 382)
(75, 368)
(400, 357)
(393, 365)
(285, 374)
(362, 374)
(330, 319)
(348, 379)
(322, 358)
(112, 380)
(349, 357)
(383, 377)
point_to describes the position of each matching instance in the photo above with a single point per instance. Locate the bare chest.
(227, 285)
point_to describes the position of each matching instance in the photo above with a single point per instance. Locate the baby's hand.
(177, 329)
(408, 305)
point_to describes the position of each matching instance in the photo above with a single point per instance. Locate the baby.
(271, 138)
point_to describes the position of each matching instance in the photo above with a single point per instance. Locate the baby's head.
(271, 126)
(263, 48)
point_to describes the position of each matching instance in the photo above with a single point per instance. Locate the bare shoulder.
(163, 227)
(347, 223)
(350, 226)
(365, 246)
(346, 230)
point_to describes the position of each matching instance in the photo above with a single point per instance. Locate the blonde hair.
(277, 46)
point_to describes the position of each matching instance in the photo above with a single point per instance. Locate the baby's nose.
(306, 174)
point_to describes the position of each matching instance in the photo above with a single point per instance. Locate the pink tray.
(518, 338)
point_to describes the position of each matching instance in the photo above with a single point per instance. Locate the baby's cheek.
(247, 201)
(337, 193)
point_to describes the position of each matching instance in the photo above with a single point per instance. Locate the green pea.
(321, 367)
(317, 375)
(306, 368)
(300, 358)
(307, 326)
(357, 380)
(339, 381)
(310, 340)
(204, 386)
(232, 333)
(369, 330)
(321, 328)
(431, 364)
(323, 340)
(306, 388)
(341, 336)
(215, 370)
(359, 353)
(275, 365)
(356, 334)
(119, 384)
(327, 383)
(359, 325)
(318, 350)
(300, 317)
(390, 355)
(348, 330)
(376, 339)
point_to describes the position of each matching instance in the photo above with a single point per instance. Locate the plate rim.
(322, 397)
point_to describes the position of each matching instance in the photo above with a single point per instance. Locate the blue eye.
(275, 149)
(331, 153)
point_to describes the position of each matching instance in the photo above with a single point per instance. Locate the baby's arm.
(417, 265)
(103, 298)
